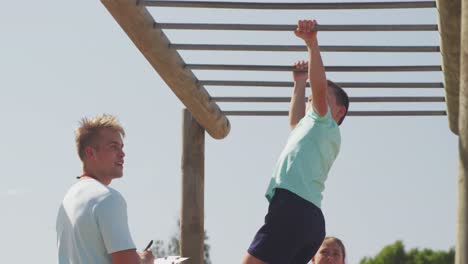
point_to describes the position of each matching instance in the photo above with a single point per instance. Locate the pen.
(149, 245)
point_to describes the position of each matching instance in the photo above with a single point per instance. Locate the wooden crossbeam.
(351, 113)
(291, 6)
(414, 68)
(301, 48)
(391, 99)
(259, 27)
(342, 84)
(138, 23)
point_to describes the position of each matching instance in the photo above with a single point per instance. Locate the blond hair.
(88, 131)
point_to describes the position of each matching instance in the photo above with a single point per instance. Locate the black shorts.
(293, 231)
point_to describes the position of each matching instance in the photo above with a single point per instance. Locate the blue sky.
(395, 177)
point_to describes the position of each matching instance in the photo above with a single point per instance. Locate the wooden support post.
(461, 249)
(192, 229)
(449, 28)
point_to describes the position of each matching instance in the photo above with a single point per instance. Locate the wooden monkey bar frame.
(204, 113)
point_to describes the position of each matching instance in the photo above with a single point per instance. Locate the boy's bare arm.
(297, 105)
(318, 81)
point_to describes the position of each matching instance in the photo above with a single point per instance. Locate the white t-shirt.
(91, 224)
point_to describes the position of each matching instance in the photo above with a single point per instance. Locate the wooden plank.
(461, 247)
(300, 48)
(288, 68)
(351, 113)
(449, 28)
(390, 99)
(342, 84)
(290, 6)
(138, 23)
(270, 27)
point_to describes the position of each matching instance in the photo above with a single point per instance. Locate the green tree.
(396, 254)
(173, 246)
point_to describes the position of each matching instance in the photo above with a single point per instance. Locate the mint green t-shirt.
(303, 166)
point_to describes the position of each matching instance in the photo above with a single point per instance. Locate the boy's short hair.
(88, 131)
(341, 98)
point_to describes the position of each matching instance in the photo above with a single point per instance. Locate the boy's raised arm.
(317, 79)
(297, 105)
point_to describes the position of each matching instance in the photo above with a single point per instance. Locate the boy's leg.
(274, 242)
(283, 234)
(249, 259)
(316, 235)
(306, 254)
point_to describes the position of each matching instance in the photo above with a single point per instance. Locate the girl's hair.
(339, 242)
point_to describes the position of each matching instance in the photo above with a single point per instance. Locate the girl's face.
(329, 253)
